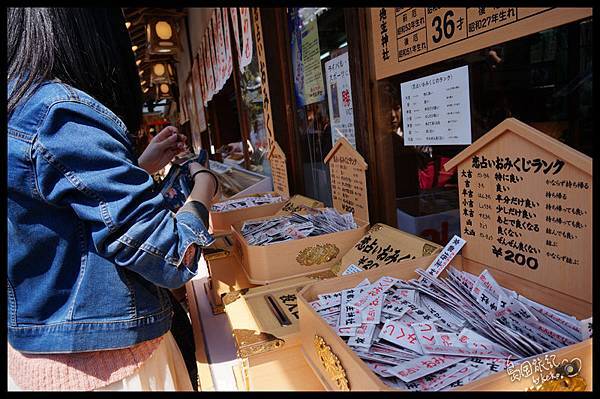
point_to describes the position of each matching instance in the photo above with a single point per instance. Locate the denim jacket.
(91, 244)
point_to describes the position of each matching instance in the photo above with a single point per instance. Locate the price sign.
(526, 207)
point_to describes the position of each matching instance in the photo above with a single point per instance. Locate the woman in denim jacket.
(92, 248)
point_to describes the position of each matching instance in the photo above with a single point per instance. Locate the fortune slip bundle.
(245, 202)
(295, 226)
(432, 333)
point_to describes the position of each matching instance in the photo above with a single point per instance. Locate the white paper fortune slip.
(401, 334)
(363, 336)
(378, 287)
(444, 257)
(422, 366)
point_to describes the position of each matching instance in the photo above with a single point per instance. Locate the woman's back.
(89, 236)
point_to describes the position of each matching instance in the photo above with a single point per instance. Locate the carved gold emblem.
(317, 255)
(325, 274)
(250, 342)
(233, 296)
(375, 228)
(428, 249)
(331, 363)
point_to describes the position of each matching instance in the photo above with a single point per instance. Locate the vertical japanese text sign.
(264, 81)
(348, 181)
(526, 207)
(277, 159)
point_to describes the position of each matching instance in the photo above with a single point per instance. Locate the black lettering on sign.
(448, 28)
(517, 258)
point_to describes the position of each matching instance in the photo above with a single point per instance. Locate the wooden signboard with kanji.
(405, 38)
(526, 207)
(276, 157)
(348, 181)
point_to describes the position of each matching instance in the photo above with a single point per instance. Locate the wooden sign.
(348, 181)
(526, 207)
(411, 37)
(382, 246)
(198, 103)
(264, 80)
(297, 203)
(277, 159)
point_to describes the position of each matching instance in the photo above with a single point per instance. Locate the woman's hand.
(161, 150)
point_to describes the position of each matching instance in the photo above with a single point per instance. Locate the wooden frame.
(277, 39)
(365, 99)
(277, 55)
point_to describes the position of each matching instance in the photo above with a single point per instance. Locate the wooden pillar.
(278, 59)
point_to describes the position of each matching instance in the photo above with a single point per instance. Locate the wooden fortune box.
(264, 320)
(544, 254)
(265, 264)
(225, 272)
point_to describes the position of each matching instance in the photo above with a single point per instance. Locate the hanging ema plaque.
(348, 182)
(277, 159)
(526, 207)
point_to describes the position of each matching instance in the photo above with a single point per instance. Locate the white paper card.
(436, 109)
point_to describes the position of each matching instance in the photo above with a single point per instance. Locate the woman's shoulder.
(53, 97)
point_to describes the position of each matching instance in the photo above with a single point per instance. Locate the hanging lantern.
(162, 36)
(161, 72)
(163, 90)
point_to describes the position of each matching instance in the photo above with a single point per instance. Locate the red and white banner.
(198, 104)
(246, 55)
(214, 40)
(233, 12)
(221, 49)
(227, 39)
(208, 66)
(202, 71)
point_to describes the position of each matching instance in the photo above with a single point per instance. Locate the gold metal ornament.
(233, 296)
(325, 274)
(428, 249)
(317, 255)
(250, 342)
(331, 363)
(375, 228)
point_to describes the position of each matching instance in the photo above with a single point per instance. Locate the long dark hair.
(86, 48)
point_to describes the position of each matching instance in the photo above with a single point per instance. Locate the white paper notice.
(436, 109)
(339, 98)
(352, 269)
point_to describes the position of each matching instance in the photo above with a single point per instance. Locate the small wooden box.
(265, 328)
(266, 264)
(514, 169)
(224, 269)
(225, 276)
(222, 221)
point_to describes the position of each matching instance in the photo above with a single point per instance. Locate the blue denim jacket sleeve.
(83, 159)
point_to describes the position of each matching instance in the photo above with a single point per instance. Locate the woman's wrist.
(202, 180)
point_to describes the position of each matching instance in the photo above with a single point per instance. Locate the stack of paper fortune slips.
(434, 334)
(246, 202)
(296, 226)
